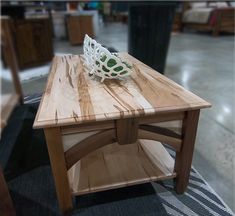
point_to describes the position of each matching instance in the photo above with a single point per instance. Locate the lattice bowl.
(103, 63)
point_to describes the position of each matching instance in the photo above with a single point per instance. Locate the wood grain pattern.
(160, 130)
(72, 97)
(184, 157)
(158, 155)
(88, 145)
(70, 140)
(162, 118)
(174, 142)
(115, 166)
(59, 170)
(92, 126)
(127, 131)
(172, 121)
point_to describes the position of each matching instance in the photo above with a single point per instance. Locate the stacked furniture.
(209, 16)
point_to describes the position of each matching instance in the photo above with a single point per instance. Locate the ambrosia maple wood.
(106, 135)
(72, 97)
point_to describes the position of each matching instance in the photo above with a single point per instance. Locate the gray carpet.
(27, 169)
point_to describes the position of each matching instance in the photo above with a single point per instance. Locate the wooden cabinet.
(78, 26)
(32, 39)
(33, 42)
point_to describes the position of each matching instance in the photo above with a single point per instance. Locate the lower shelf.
(115, 166)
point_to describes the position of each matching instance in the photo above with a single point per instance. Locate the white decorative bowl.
(103, 63)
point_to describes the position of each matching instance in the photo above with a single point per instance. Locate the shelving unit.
(115, 166)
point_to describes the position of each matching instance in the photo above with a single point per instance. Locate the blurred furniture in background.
(33, 41)
(10, 58)
(115, 12)
(177, 23)
(216, 17)
(32, 32)
(150, 26)
(95, 19)
(6, 205)
(8, 103)
(87, 126)
(59, 26)
(78, 26)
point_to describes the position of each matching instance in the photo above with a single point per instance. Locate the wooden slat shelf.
(115, 166)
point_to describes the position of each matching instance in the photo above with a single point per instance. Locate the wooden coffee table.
(108, 135)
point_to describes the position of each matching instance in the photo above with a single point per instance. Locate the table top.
(72, 97)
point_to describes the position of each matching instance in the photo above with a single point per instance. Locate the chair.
(8, 103)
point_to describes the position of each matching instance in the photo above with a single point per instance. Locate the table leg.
(184, 157)
(59, 170)
(6, 204)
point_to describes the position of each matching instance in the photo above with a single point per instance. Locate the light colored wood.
(171, 121)
(162, 117)
(10, 55)
(115, 166)
(127, 131)
(77, 145)
(175, 126)
(158, 155)
(160, 130)
(70, 140)
(8, 103)
(72, 97)
(174, 142)
(88, 145)
(94, 126)
(59, 170)
(184, 157)
(74, 172)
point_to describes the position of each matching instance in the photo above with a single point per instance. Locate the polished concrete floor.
(204, 65)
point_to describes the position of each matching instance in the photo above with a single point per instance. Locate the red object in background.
(215, 15)
(73, 5)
